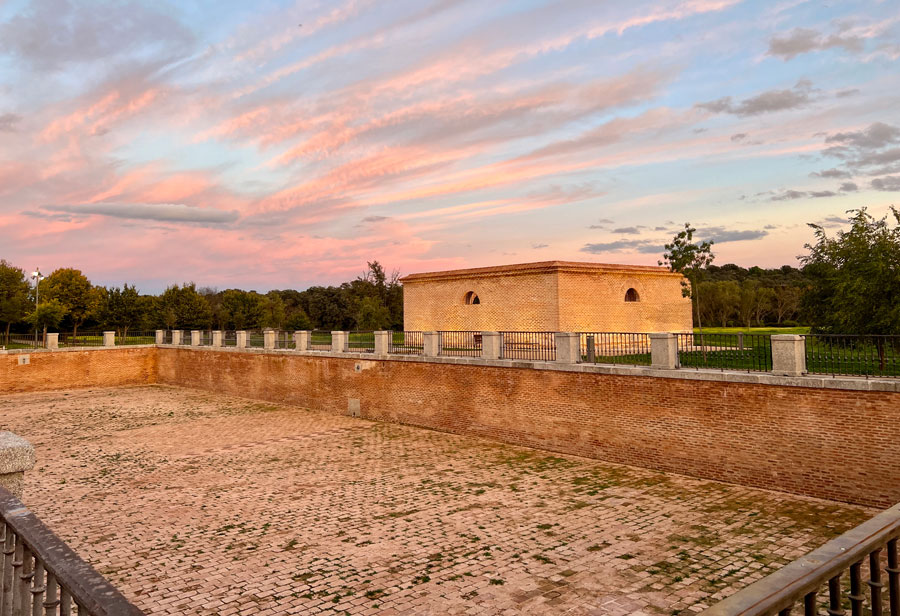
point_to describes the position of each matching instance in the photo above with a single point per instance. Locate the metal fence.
(361, 342)
(624, 348)
(82, 339)
(841, 354)
(746, 352)
(137, 337)
(42, 575)
(255, 339)
(407, 343)
(320, 340)
(867, 551)
(284, 340)
(229, 338)
(460, 344)
(533, 346)
(22, 341)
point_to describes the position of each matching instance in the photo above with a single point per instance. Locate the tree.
(241, 309)
(272, 309)
(74, 291)
(372, 316)
(184, 307)
(689, 259)
(14, 291)
(855, 276)
(47, 314)
(120, 308)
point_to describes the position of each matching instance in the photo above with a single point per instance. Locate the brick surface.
(828, 443)
(198, 503)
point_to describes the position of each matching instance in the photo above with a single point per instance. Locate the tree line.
(68, 301)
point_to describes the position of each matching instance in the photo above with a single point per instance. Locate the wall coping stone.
(16, 454)
(759, 378)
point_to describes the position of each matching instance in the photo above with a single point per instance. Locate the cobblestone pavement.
(194, 503)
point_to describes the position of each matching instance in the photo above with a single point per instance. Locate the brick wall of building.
(551, 296)
(47, 370)
(596, 302)
(828, 443)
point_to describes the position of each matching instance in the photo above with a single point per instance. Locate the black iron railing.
(255, 339)
(625, 348)
(532, 346)
(42, 575)
(361, 342)
(460, 344)
(229, 338)
(137, 337)
(850, 567)
(746, 352)
(320, 340)
(82, 339)
(842, 354)
(284, 340)
(407, 343)
(22, 341)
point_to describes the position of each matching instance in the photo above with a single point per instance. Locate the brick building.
(547, 296)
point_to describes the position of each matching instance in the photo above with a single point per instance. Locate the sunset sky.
(277, 145)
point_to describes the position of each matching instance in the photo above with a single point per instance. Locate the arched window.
(631, 295)
(471, 298)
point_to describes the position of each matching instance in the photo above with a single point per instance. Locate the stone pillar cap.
(16, 454)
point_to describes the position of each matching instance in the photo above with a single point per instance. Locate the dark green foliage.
(14, 300)
(855, 277)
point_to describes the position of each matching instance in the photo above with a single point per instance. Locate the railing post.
(217, 338)
(176, 336)
(663, 351)
(340, 342)
(301, 340)
(240, 339)
(52, 341)
(568, 347)
(788, 355)
(160, 336)
(269, 339)
(109, 339)
(491, 345)
(383, 342)
(16, 457)
(431, 344)
(195, 337)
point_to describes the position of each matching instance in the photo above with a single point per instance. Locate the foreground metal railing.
(748, 352)
(872, 546)
(534, 346)
(41, 575)
(852, 355)
(628, 348)
(407, 343)
(460, 344)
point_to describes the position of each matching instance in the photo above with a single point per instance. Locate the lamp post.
(37, 276)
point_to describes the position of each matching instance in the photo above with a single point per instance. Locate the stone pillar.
(663, 351)
(788, 355)
(301, 340)
(195, 337)
(176, 336)
(269, 339)
(109, 339)
(240, 340)
(432, 344)
(16, 457)
(52, 341)
(491, 345)
(217, 338)
(383, 342)
(340, 342)
(568, 347)
(160, 336)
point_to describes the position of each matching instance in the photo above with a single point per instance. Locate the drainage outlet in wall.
(353, 407)
(24, 360)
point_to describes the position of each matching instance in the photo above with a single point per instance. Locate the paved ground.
(200, 504)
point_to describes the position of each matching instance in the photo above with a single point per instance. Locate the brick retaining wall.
(77, 368)
(839, 444)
